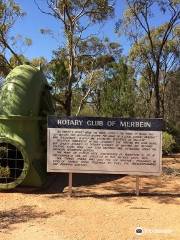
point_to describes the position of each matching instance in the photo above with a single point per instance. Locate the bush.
(174, 129)
(168, 143)
(5, 172)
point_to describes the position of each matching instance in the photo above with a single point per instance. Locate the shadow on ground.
(9, 218)
(121, 188)
(111, 186)
(57, 182)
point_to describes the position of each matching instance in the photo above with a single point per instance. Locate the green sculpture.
(25, 102)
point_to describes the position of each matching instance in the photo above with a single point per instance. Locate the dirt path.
(102, 208)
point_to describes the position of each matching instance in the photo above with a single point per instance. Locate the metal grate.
(11, 163)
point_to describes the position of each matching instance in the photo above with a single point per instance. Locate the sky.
(30, 25)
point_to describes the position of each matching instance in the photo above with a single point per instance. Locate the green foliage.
(13, 61)
(173, 128)
(168, 143)
(4, 172)
(154, 49)
(58, 74)
(75, 17)
(88, 110)
(90, 64)
(96, 10)
(39, 62)
(10, 12)
(117, 96)
(172, 98)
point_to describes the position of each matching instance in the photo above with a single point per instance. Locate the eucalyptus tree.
(91, 64)
(118, 93)
(10, 12)
(75, 18)
(172, 99)
(140, 56)
(155, 49)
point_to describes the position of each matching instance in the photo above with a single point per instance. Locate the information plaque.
(104, 145)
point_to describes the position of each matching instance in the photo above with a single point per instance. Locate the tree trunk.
(68, 100)
(157, 95)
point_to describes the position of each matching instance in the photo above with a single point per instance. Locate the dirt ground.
(103, 207)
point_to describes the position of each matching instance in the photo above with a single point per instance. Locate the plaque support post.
(70, 185)
(137, 185)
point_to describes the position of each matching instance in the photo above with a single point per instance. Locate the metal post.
(70, 185)
(137, 185)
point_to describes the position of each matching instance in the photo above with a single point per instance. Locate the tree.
(93, 56)
(9, 13)
(76, 17)
(151, 43)
(117, 95)
(172, 103)
(140, 57)
(172, 99)
(144, 98)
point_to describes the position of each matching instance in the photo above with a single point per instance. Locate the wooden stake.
(70, 185)
(137, 185)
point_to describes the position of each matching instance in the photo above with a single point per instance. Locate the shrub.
(5, 172)
(168, 143)
(174, 129)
